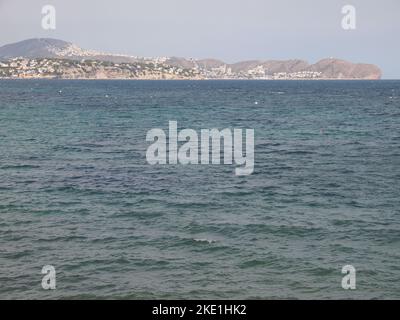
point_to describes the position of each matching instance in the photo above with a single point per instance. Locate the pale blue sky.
(230, 30)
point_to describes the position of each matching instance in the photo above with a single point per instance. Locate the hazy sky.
(230, 30)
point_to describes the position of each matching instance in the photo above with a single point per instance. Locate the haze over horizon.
(228, 30)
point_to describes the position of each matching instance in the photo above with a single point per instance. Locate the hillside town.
(24, 68)
(51, 68)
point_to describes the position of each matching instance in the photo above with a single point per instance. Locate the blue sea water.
(77, 193)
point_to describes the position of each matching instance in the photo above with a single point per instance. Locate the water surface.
(76, 191)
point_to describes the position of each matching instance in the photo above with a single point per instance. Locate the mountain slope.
(53, 48)
(341, 69)
(42, 48)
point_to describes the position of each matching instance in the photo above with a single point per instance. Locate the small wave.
(205, 240)
(277, 92)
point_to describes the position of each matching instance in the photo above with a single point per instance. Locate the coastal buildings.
(152, 68)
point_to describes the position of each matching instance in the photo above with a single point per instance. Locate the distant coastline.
(57, 59)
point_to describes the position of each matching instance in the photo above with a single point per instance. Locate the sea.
(77, 193)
